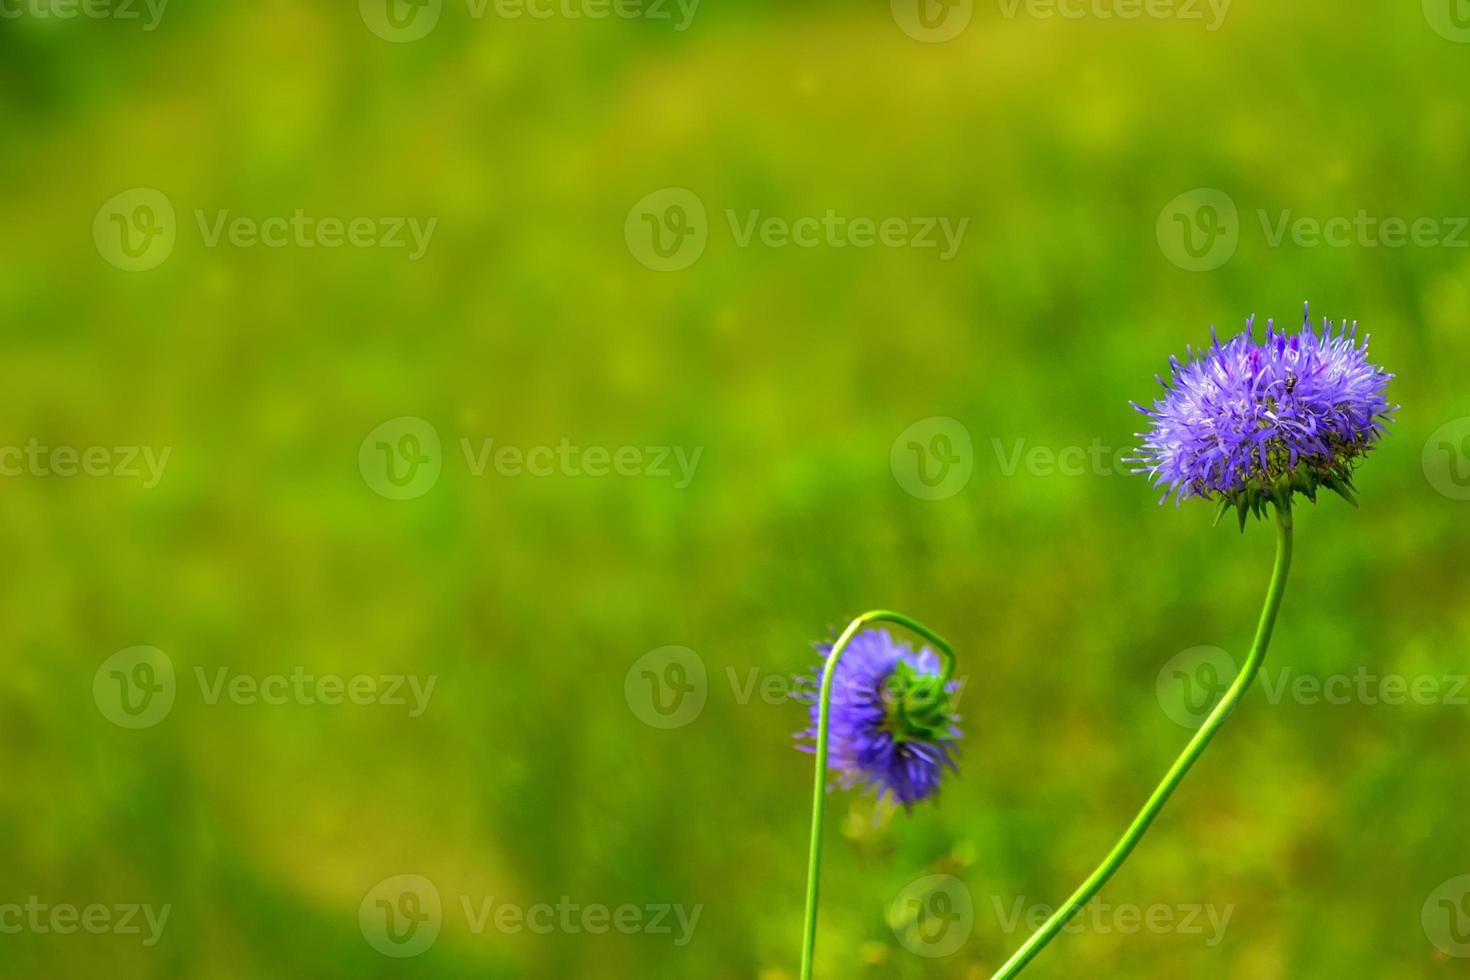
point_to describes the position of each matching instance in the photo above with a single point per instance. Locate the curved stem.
(819, 792)
(1181, 765)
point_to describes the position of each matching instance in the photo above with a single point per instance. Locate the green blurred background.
(533, 317)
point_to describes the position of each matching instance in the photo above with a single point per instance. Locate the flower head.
(892, 724)
(1254, 421)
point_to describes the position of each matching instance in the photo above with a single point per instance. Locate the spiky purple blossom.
(1253, 422)
(872, 741)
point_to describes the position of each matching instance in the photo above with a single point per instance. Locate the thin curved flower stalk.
(894, 730)
(1196, 747)
(1248, 424)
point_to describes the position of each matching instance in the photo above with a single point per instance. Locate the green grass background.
(1325, 827)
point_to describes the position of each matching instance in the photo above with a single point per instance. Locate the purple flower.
(1255, 422)
(892, 724)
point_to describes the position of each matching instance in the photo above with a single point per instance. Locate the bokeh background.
(1333, 833)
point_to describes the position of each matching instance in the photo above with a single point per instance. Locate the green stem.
(1181, 765)
(819, 791)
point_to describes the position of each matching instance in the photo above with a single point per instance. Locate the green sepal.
(918, 706)
(1280, 481)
